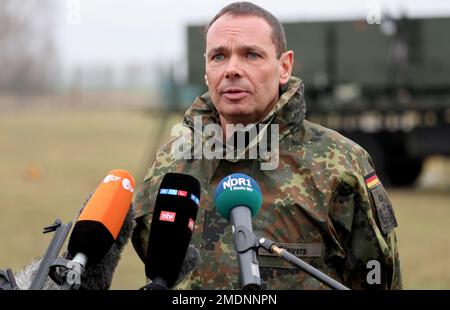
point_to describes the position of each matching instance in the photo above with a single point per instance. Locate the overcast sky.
(149, 31)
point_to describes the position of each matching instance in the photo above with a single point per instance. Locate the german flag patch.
(383, 205)
(372, 180)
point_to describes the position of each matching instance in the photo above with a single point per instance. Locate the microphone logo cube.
(167, 216)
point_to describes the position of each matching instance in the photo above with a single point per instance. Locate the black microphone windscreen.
(91, 238)
(171, 229)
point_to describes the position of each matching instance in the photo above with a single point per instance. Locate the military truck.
(385, 86)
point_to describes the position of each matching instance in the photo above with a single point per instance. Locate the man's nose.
(234, 68)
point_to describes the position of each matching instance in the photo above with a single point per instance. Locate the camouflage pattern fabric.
(316, 204)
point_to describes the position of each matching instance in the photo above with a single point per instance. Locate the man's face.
(242, 70)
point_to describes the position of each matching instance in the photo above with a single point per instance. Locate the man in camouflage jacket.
(323, 202)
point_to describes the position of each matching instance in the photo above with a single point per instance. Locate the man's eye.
(218, 57)
(252, 55)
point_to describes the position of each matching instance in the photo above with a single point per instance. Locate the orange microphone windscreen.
(103, 216)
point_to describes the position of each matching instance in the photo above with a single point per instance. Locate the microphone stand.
(64, 272)
(67, 273)
(7, 280)
(254, 242)
(157, 284)
(61, 232)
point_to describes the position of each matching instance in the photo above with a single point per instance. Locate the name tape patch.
(298, 249)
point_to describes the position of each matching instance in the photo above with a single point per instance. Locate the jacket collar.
(289, 110)
(288, 113)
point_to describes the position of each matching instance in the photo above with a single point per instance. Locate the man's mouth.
(235, 93)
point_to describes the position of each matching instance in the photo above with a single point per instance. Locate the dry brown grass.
(51, 158)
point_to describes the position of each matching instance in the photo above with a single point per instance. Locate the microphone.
(101, 220)
(171, 229)
(107, 211)
(238, 198)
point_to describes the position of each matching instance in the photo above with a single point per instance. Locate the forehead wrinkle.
(245, 29)
(235, 44)
(228, 38)
(232, 31)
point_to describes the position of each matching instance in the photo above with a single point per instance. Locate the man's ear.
(286, 63)
(206, 80)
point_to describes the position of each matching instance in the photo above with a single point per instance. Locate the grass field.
(51, 159)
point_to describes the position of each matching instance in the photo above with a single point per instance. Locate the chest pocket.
(303, 229)
(292, 227)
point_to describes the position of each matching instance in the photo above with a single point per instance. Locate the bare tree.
(28, 62)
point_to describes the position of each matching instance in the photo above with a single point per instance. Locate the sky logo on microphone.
(167, 216)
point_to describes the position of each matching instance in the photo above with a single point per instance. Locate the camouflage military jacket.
(323, 204)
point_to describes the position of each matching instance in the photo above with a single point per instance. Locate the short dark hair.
(250, 9)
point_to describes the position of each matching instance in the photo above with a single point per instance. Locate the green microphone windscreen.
(237, 190)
